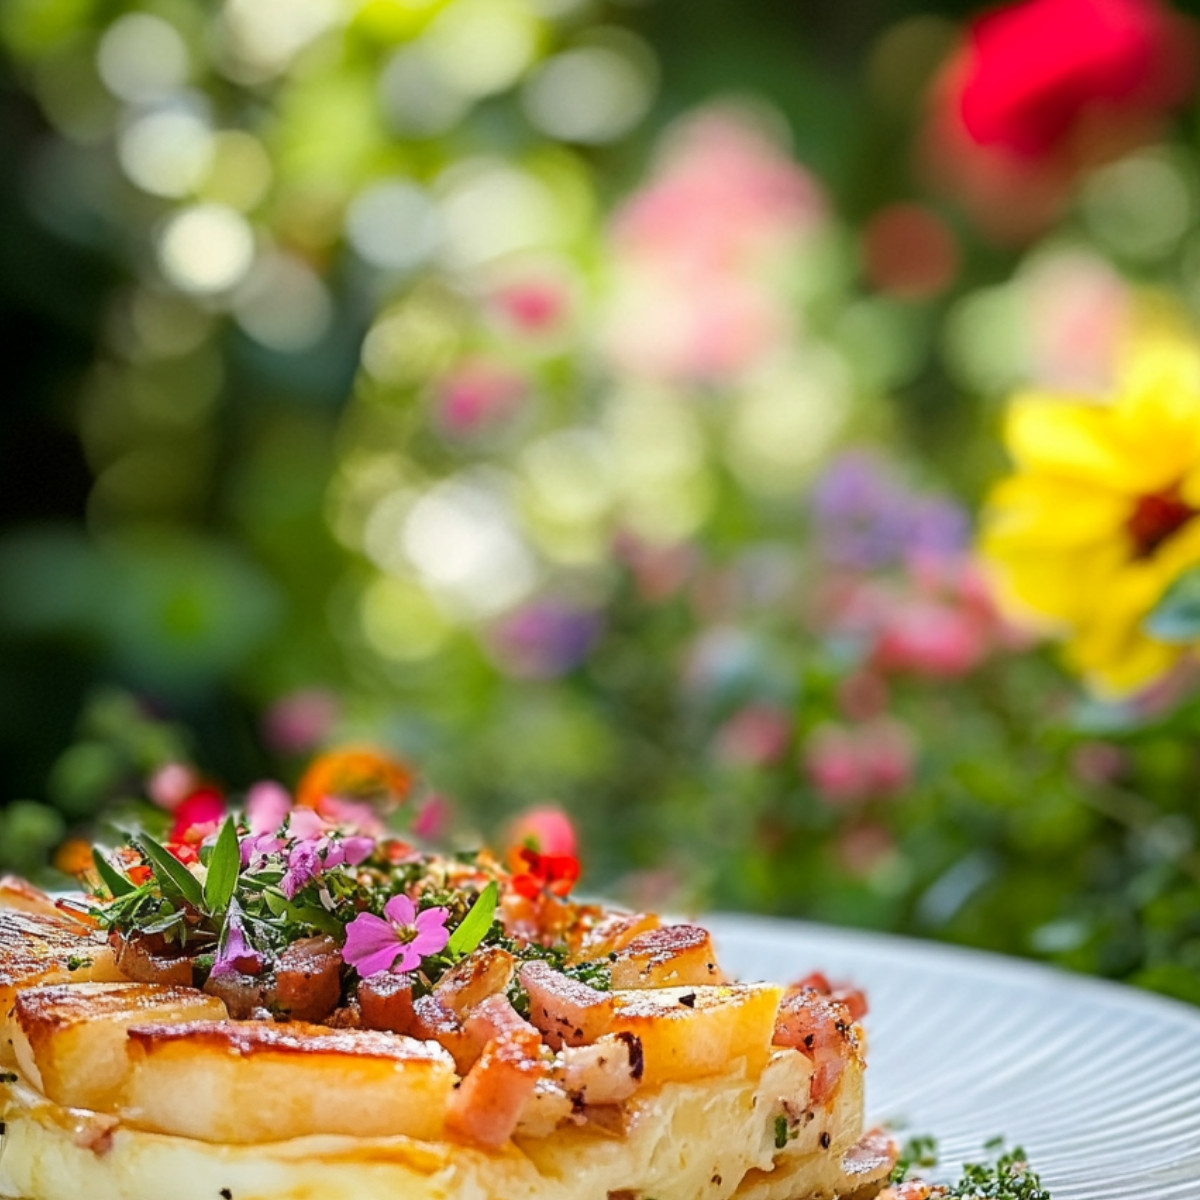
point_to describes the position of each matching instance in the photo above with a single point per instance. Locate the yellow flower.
(1099, 518)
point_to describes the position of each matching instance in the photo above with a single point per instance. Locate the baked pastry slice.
(406, 1026)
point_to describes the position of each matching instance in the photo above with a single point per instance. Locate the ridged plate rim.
(1099, 1082)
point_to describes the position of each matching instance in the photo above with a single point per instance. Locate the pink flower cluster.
(848, 763)
(306, 841)
(697, 252)
(939, 621)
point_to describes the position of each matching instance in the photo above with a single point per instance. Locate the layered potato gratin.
(287, 1009)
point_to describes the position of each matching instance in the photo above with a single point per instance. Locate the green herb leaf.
(223, 866)
(162, 924)
(114, 880)
(781, 1132)
(919, 1151)
(476, 923)
(1009, 1178)
(169, 869)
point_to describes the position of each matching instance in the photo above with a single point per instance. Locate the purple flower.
(866, 517)
(304, 862)
(257, 848)
(398, 943)
(544, 639)
(235, 955)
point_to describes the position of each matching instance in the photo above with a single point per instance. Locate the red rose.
(1040, 89)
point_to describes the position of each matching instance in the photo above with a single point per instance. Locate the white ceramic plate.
(1099, 1083)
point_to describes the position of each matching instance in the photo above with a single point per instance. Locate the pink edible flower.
(235, 955)
(303, 864)
(398, 943)
(546, 829)
(267, 807)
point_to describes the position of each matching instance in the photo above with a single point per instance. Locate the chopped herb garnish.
(76, 962)
(1008, 1178)
(919, 1151)
(781, 1132)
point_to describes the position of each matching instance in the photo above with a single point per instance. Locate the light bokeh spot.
(166, 153)
(591, 94)
(142, 58)
(283, 304)
(482, 47)
(206, 249)
(394, 225)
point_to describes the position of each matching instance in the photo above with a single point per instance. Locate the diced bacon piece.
(853, 998)
(487, 1104)
(606, 1072)
(482, 974)
(564, 1009)
(495, 1018)
(673, 956)
(308, 979)
(433, 1021)
(245, 996)
(874, 1152)
(385, 1002)
(913, 1189)
(143, 960)
(821, 1029)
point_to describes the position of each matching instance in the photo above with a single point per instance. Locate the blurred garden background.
(769, 431)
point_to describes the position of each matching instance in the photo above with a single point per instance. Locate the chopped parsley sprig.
(1008, 1177)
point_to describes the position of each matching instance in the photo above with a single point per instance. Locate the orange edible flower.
(355, 773)
(73, 857)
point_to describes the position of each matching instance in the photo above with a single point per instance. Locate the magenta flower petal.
(267, 804)
(304, 823)
(357, 849)
(371, 944)
(303, 865)
(432, 934)
(410, 958)
(400, 910)
(235, 954)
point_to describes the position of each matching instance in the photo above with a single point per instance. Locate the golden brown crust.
(55, 1006)
(296, 1038)
(666, 957)
(34, 946)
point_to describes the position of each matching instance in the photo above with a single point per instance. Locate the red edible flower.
(1039, 89)
(198, 816)
(553, 873)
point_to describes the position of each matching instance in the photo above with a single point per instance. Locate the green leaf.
(1176, 617)
(164, 923)
(223, 866)
(169, 869)
(114, 880)
(476, 923)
